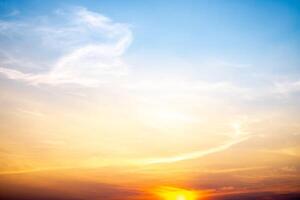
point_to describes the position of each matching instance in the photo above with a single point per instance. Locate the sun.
(181, 197)
(171, 193)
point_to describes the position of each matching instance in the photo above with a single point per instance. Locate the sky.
(160, 100)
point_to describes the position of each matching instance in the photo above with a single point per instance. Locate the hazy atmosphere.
(150, 100)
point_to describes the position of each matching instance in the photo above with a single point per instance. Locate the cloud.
(85, 48)
(195, 154)
(13, 13)
(287, 87)
(60, 188)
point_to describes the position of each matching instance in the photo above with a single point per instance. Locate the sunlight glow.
(171, 193)
(149, 100)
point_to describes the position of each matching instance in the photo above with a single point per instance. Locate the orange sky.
(85, 114)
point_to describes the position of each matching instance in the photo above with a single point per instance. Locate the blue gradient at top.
(262, 33)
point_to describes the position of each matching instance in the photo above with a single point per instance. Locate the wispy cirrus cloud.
(238, 137)
(196, 154)
(287, 87)
(85, 48)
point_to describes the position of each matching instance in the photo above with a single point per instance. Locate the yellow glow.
(170, 193)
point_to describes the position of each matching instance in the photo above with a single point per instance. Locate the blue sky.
(255, 32)
(246, 42)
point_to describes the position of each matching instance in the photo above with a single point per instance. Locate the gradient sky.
(147, 99)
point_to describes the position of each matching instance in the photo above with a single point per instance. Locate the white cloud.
(238, 137)
(287, 87)
(13, 13)
(195, 154)
(87, 49)
(177, 85)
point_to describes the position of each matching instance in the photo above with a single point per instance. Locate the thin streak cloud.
(88, 63)
(196, 154)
